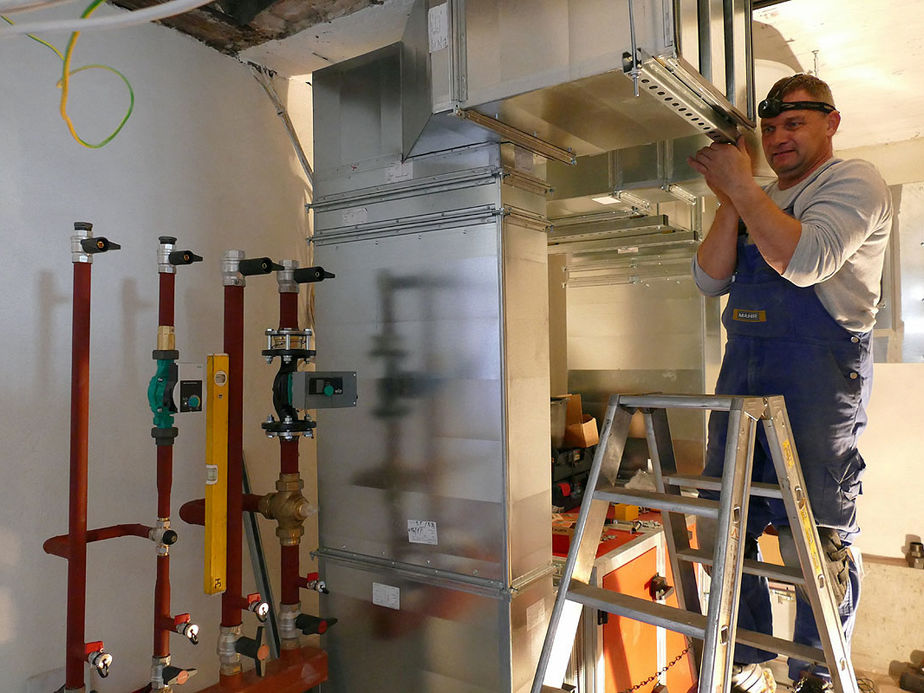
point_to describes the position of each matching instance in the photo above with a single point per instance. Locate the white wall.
(204, 158)
(890, 509)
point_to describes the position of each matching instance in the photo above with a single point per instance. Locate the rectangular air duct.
(562, 71)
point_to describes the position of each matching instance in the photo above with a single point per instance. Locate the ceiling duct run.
(560, 79)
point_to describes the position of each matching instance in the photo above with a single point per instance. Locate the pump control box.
(323, 389)
(187, 394)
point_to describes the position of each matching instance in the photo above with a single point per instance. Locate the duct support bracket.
(523, 139)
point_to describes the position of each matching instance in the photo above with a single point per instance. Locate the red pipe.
(193, 512)
(167, 286)
(288, 456)
(288, 311)
(290, 577)
(288, 464)
(164, 487)
(250, 502)
(162, 607)
(60, 545)
(77, 512)
(234, 347)
(164, 479)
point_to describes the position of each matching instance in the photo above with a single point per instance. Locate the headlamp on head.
(771, 108)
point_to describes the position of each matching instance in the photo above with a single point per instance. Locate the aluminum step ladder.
(715, 633)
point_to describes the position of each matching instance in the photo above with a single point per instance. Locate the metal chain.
(662, 670)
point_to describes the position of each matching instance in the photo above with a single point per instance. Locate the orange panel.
(630, 647)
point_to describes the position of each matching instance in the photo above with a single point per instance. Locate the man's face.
(796, 142)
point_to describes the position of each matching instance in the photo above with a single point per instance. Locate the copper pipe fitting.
(288, 507)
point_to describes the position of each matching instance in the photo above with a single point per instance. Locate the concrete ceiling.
(355, 33)
(872, 55)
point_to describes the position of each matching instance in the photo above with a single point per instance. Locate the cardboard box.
(580, 428)
(625, 513)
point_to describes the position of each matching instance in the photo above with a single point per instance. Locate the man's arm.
(839, 216)
(718, 253)
(727, 170)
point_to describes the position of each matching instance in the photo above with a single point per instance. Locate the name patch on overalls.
(742, 315)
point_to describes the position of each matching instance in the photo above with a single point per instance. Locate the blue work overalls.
(782, 341)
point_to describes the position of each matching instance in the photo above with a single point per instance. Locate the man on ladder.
(802, 262)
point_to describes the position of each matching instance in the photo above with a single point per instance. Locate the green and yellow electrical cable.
(67, 73)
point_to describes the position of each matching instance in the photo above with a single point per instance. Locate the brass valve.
(288, 507)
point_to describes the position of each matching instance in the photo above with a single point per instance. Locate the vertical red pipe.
(234, 347)
(164, 479)
(77, 513)
(165, 304)
(162, 607)
(164, 488)
(288, 459)
(288, 311)
(289, 568)
(288, 456)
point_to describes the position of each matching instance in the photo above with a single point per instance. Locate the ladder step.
(786, 648)
(645, 610)
(682, 621)
(710, 402)
(661, 501)
(771, 571)
(712, 483)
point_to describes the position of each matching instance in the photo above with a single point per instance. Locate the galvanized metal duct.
(560, 78)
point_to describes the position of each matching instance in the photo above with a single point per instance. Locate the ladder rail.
(579, 564)
(722, 612)
(805, 535)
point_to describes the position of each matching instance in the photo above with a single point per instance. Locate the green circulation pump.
(160, 393)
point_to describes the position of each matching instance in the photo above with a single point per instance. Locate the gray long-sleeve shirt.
(846, 213)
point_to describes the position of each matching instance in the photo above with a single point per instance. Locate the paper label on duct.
(438, 25)
(211, 474)
(535, 615)
(400, 171)
(386, 595)
(523, 159)
(357, 215)
(421, 532)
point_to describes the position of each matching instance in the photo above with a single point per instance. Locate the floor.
(878, 683)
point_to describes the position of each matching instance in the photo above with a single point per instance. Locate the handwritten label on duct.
(535, 615)
(522, 159)
(400, 171)
(386, 595)
(438, 25)
(421, 532)
(357, 215)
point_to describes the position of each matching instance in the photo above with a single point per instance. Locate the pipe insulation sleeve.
(288, 311)
(166, 302)
(234, 347)
(79, 462)
(162, 607)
